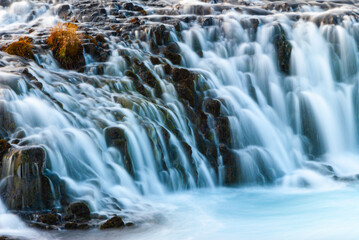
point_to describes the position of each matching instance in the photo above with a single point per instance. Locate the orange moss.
(66, 45)
(23, 48)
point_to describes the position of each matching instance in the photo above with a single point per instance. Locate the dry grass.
(23, 48)
(66, 45)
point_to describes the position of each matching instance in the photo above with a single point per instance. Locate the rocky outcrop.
(24, 184)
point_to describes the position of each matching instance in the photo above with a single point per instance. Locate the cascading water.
(244, 96)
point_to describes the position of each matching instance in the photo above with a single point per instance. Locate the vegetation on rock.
(22, 48)
(66, 46)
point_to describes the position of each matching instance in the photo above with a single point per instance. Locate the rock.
(64, 11)
(5, 3)
(223, 130)
(114, 222)
(4, 148)
(184, 84)
(7, 123)
(208, 22)
(162, 35)
(284, 50)
(50, 218)
(231, 169)
(78, 211)
(25, 186)
(173, 57)
(213, 107)
(128, 6)
(76, 226)
(155, 60)
(116, 137)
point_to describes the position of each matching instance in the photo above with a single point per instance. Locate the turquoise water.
(244, 214)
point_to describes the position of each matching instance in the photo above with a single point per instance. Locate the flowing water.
(294, 132)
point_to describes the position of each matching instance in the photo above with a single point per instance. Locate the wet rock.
(201, 10)
(173, 57)
(78, 211)
(231, 169)
(116, 137)
(223, 130)
(25, 186)
(155, 60)
(5, 3)
(162, 35)
(128, 6)
(4, 148)
(7, 124)
(284, 50)
(208, 22)
(64, 11)
(213, 107)
(50, 218)
(184, 84)
(114, 222)
(76, 226)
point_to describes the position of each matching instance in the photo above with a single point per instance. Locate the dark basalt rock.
(5, 3)
(162, 35)
(25, 187)
(64, 12)
(4, 148)
(76, 226)
(184, 84)
(223, 130)
(231, 168)
(78, 211)
(116, 137)
(114, 222)
(213, 107)
(284, 50)
(173, 57)
(50, 218)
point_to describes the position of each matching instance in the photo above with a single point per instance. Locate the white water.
(267, 133)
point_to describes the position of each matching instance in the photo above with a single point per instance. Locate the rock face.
(25, 186)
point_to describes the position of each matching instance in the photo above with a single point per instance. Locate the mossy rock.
(22, 48)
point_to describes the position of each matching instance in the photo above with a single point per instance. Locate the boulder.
(114, 222)
(78, 211)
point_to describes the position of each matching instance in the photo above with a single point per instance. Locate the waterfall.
(253, 100)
